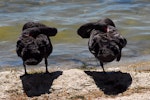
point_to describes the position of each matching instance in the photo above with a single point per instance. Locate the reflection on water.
(131, 18)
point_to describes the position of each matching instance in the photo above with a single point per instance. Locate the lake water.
(132, 17)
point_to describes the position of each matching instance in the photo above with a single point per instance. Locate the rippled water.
(131, 18)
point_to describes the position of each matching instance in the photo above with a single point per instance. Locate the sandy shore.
(125, 82)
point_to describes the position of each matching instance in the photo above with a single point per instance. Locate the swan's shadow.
(38, 83)
(111, 83)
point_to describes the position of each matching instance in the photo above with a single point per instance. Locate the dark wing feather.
(48, 31)
(36, 27)
(44, 44)
(19, 48)
(85, 30)
(106, 21)
(32, 24)
(35, 31)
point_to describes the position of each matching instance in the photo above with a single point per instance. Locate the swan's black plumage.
(105, 43)
(34, 44)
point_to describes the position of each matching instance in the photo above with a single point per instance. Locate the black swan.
(34, 44)
(105, 43)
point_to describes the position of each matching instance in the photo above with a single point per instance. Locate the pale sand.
(125, 82)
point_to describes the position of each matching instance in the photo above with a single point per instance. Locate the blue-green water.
(131, 18)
